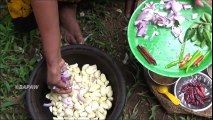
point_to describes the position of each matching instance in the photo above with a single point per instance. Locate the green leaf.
(208, 17)
(203, 43)
(203, 18)
(193, 26)
(208, 27)
(208, 38)
(7, 104)
(191, 33)
(200, 32)
(153, 112)
(197, 43)
(194, 37)
(2, 28)
(186, 36)
(182, 118)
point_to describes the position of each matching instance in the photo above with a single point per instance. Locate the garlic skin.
(90, 98)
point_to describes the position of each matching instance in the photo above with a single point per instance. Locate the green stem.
(203, 23)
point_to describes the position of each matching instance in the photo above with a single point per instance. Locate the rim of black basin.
(115, 112)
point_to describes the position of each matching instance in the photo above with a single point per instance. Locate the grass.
(17, 60)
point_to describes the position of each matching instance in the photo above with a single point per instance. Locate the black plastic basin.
(80, 54)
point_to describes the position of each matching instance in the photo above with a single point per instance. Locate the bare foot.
(70, 24)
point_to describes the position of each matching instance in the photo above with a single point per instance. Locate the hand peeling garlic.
(90, 98)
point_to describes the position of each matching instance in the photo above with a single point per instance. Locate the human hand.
(54, 79)
(199, 3)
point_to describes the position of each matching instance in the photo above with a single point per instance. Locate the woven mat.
(166, 103)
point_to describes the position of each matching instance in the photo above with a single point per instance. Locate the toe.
(70, 39)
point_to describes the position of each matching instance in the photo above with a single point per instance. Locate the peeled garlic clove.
(54, 97)
(74, 99)
(95, 105)
(76, 114)
(54, 109)
(59, 110)
(68, 112)
(106, 83)
(61, 114)
(88, 109)
(96, 94)
(103, 91)
(91, 115)
(85, 66)
(76, 70)
(59, 97)
(83, 114)
(65, 95)
(97, 74)
(110, 98)
(94, 87)
(83, 91)
(95, 98)
(101, 110)
(47, 96)
(73, 66)
(102, 99)
(78, 78)
(56, 104)
(109, 91)
(101, 83)
(55, 113)
(109, 103)
(78, 106)
(103, 77)
(101, 116)
(87, 95)
(104, 105)
(105, 113)
(91, 69)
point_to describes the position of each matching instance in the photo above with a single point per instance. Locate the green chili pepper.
(172, 64)
(191, 62)
(194, 56)
(182, 52)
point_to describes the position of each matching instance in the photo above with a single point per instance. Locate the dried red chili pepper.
(194, 93)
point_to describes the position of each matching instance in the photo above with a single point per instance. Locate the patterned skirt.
(22, 8)
(22, 14)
